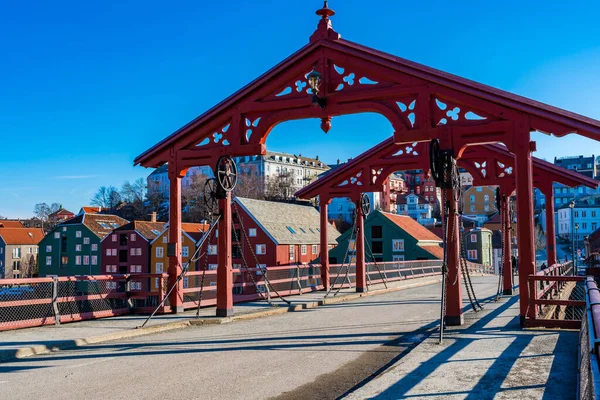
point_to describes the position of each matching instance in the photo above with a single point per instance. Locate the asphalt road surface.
(313, 354)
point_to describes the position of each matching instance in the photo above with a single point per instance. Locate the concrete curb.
(50, 347)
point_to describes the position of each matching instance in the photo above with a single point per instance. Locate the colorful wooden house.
(390, 237)
(127, 249)
(19, 251)
(159, 263)
(73, 247)
(478, 245)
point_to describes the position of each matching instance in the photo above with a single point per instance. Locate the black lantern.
(314, 80)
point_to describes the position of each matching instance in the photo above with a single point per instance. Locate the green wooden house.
(390, 237)
(478, 245)
(73, 247)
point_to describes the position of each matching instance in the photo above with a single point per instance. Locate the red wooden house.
(273, 234)
(126, 250)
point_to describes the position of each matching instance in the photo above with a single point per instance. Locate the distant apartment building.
(480, 201)
(19, 251)
(581, 164)
(297, 170)
(585, 219)
(73, 247)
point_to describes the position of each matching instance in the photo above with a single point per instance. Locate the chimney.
(338, 161)
(153, 216)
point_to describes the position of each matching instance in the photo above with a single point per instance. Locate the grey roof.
(278, 218)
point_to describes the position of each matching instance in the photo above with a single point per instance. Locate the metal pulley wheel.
(226, 174)
(210, 195)
(365, 204)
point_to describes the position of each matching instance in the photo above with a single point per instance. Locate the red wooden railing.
(54, 300)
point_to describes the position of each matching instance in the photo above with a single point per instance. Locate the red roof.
(412, 227)
(16, 236)
(436, 251)
(11, 224)
(91, 210)
(539, 112)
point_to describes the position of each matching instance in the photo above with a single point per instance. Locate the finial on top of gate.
(324, 29)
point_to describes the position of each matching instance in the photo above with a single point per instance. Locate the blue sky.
(88, 85)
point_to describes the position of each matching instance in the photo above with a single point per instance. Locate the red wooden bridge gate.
(331, 76)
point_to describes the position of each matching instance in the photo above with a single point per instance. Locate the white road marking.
(90, 363)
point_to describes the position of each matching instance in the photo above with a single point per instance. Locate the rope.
(347, 273)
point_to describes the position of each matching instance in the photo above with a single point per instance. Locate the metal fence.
(589, 369)
(55, 300)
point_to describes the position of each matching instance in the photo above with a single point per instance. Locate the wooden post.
(174, 245)
(525, 228)
(507, 288)
(454, 315)
(324, 205)
(361, 271)
(224, 273)
(548, 191)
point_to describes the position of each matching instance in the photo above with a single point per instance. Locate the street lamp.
(314, 80)
(572, 206)
(577, 238)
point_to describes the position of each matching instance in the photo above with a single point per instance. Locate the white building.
(584, 221)
(415, 206)
(298, 170)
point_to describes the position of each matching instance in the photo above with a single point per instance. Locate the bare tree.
(106, 197)
(29, 266)
(42, 212)
(540, 238)
(134, 194)
(279, 187)
(192, 199)
(250, 184)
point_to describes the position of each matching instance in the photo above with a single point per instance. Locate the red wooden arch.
(421, 103)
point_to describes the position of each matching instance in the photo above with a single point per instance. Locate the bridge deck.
(317, 353)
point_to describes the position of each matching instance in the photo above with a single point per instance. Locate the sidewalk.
(30, 341)
(490, 357)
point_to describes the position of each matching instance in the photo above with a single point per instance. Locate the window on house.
(472, 208)
(261, 249)
(212, 249)
(315, 249)
(77, 260)
(86, 260)
(472, 198)
(164, 240)
(113, 237)
(185, 251)
(398, 257)
(576, 214)
(48, 260)
(138, 251)
(63, 244)
(132, 237)
(236, 251)
(303, 249)
(377, 247)
(123, 239)
(49, 249)
(376, 232)
(472, 254)
(473, 238)
(479, 189)
(594, 226)
(486, 207)
(593, 214)
(159, 252)
(584, 225)
(132, 252)
(94, 260)
(212, 267)
(95, 247)
(252, 232)
(86, 240)
(78, 234)
(77, 247)
(486, 198)
(16, 253)
(398, 245)
(583, 214)
(64, 260)
(56, 235)
(16, 265)
(160, 268)
(292, 252)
